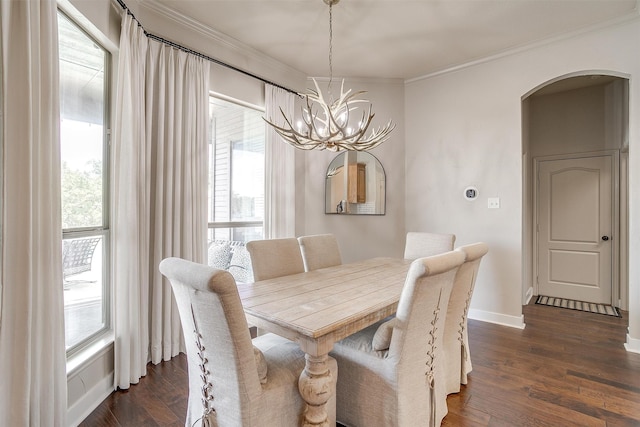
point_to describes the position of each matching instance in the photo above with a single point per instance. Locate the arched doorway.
(570, 248)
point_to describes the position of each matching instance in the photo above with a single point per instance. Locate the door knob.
(605, 238)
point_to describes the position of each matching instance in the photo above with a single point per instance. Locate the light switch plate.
(493, 202)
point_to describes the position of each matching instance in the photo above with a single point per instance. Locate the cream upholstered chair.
(391, 373)
(275, 258)
(319, 251)
(456, 338)
(272, 258)
(236, 383)
(420, 244)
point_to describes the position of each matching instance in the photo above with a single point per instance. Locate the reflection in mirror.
(355, 184)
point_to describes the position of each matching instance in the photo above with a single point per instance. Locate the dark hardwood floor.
(566, 368)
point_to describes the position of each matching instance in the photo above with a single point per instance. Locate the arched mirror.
(355, 185)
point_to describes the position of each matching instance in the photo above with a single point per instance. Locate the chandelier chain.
(330, 49)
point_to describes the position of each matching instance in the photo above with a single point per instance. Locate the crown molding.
(634, 15)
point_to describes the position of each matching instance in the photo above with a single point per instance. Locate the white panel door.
(574, 228)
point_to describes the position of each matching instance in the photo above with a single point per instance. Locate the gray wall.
(574, 121)
(362, 236)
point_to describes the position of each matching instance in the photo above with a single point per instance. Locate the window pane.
(82, 99)
(247, 182)
(236, 163)
(83, 290)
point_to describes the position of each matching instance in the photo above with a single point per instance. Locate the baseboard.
(90, 401)
(497, 318)
(528, 295)
(632, 345)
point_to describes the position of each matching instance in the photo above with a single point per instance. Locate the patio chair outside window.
(77, 255)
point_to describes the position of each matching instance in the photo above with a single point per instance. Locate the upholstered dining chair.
(233, 381)
(275, 258)
(319, 251)
(421, 244)
(392, 373)
(456, 337)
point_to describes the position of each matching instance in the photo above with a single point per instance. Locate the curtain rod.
(201, 55)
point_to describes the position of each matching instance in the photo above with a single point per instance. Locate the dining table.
(320, 307)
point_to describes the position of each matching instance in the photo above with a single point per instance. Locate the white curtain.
(280, 198)
(159, 193)
(32, 346)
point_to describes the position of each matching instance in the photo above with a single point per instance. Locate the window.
(84, 164)
(236, 185)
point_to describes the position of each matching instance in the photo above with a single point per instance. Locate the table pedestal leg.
(316, 385)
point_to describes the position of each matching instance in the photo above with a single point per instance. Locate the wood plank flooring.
(566, 368)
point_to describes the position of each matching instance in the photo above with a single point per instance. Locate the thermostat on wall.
(471, 193)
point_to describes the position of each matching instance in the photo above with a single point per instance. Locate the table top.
(320, 307)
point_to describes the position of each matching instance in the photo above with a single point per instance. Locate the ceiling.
(394, 38)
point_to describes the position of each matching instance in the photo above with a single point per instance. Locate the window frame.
(103, 231)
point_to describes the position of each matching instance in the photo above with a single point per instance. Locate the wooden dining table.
(320, 307)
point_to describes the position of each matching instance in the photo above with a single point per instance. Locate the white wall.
(464, 127)
(361, 236)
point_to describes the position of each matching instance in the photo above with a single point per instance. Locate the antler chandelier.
(329, 125)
